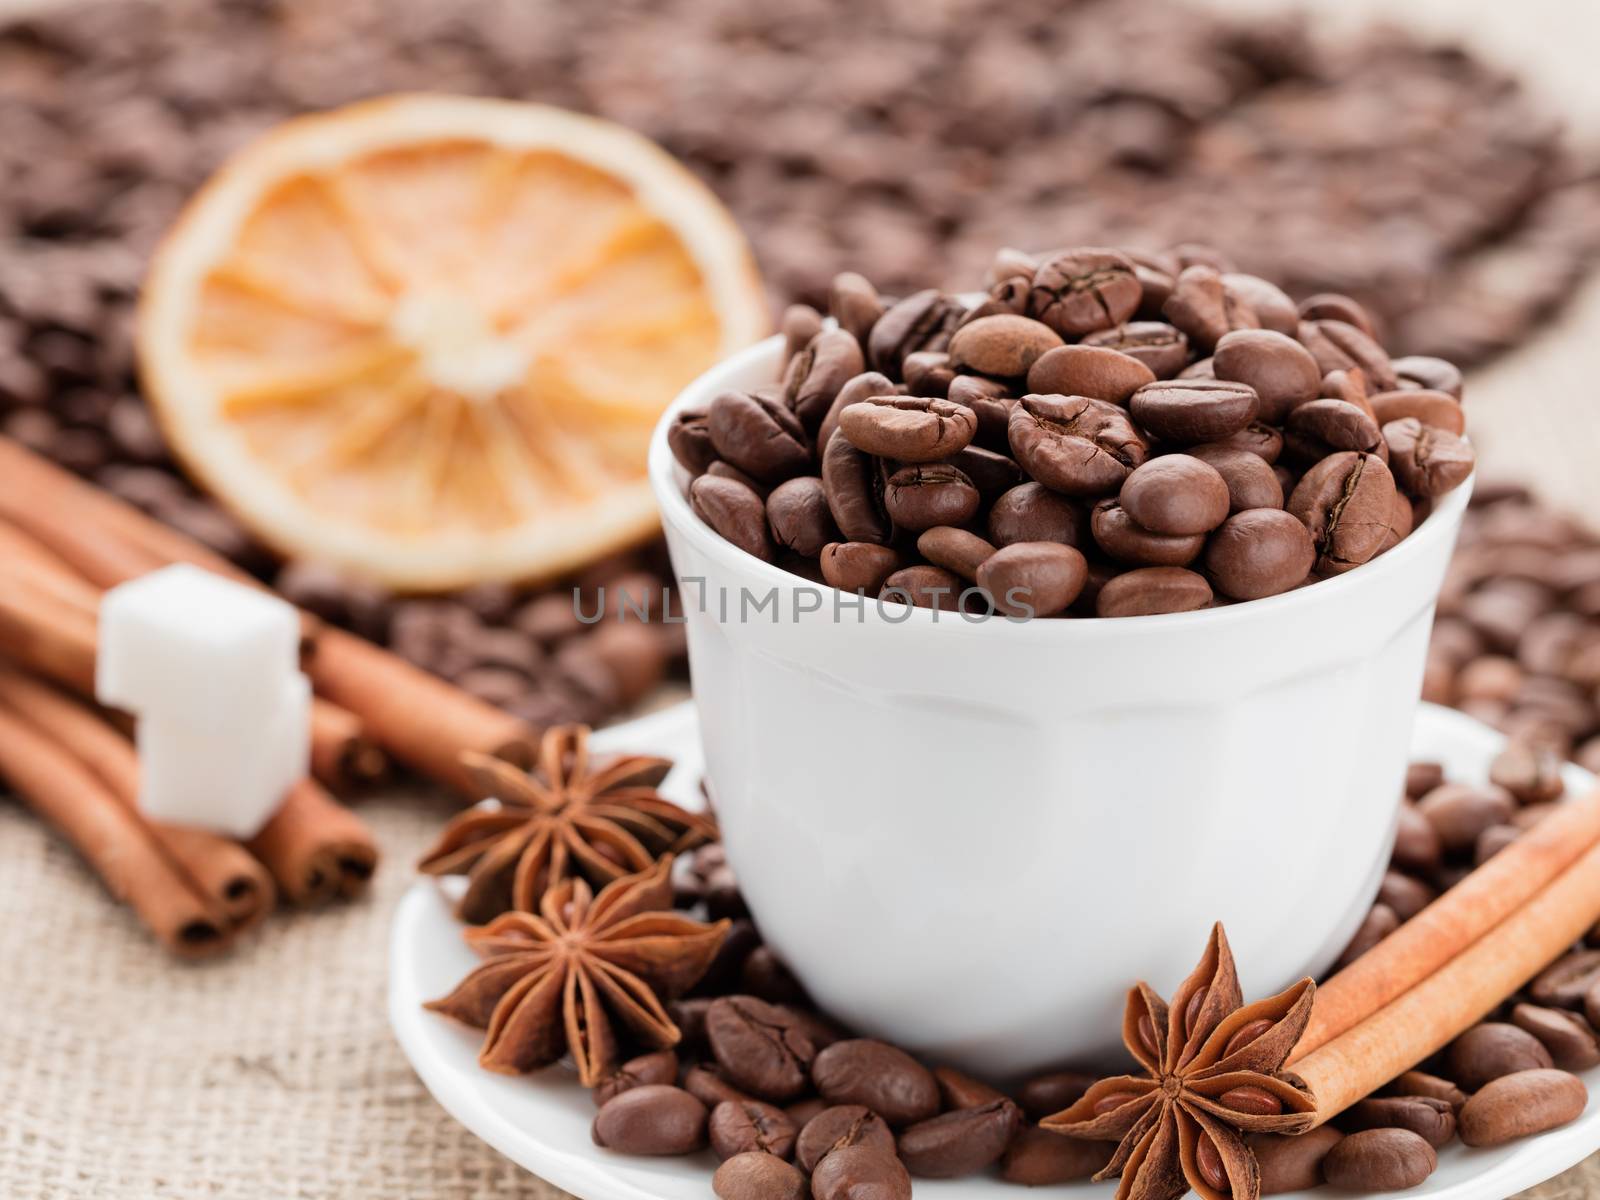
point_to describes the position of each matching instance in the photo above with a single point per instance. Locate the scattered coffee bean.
(881, 1077)
(654, 1119)
(1175, 494)
(799, 517)
(757, 1176)
(1379, 1160)
(959, 1143)
(914, 429)
(1406, 895)
(858, 566)
(1260, 552)
(1189, 411)
(1004, 346)
(860, 1173)
(1125, 540)
(1432, 1120)
(922, 497)
(760, 1047)
(757, 434)
(1292, 1164)
(1162, 348)
(660, 1067)
(1491, 1050)
(955, 550)
(838, 1126)
(1038, 1158)
(1427, 461)
(1074, 445)
(1420, 1083)
(741, 1126)
(735, 511)
(1378, 924)
(814, 376)
(924, 587)
(1148, 591)
(1033, 579)
(1277, 368)
(1569, 1038)
(1520, 1105)
(1566, 982)
(1080, 291)
(1346, 502)
(1099, 372)
(1031, 512)
(1460, 812)
(962, 1091)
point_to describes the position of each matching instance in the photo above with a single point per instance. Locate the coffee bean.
(1187, 411)
(734, 511)
(924, 587)
(742, 1126)
(1432, 1120)
(1038, 1158)
(1249, 477)
(1427, 461)
(1269, 302)
(1098, 372)
(814, 376)
(1003, 346)
(883, 1078)
(922, 321)
(1337, 345)
(799, 517)
(921, 497)
(1565, 982)
(1031, 512)
(1259, 552)
(1148, 591)
(689, 439)
(1417, 846)
(858, 566)
(1493, 1049)
(1336, 307)
(991, 473)
(863, 387)
(711, 1089)
(1420, 1083)
(760, 1047)
(757, 434)
(959, 1143)
(912, 429)
(1569, 1038)
(1460, 812)
(962, 1091)
(1440, 410)
(1175, 494)
(1292, 1163)
(1520, 1105)
(757, 1176)
(1319, 428)
(1205, 309)
(1378, 924)
(1531, 773)
(860, 1173)
(1033, 579)
(1434, 374)
(1281, 371)
(1162, 348)
(855, 304)
(928, 373)
(1379, 1160)
(658, 1068)
(799, 324)
(840, 1126)
(1079, 291)
(723, 470)
(1345, 501)
(954, 549)
(1407, 896)
(654, 1119)
(1120, 536)
(1493, 840)
(1073, 444)
(1265, 442)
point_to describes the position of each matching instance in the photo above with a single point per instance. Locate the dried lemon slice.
(426, 338)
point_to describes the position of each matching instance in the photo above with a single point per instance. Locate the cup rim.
(676, 512)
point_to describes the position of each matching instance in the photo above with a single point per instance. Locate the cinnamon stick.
(1453, 922)
(112, 840)
(316, 849)
(222, 870)
(1458, 995)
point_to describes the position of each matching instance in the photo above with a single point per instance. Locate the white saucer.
(542, 1121)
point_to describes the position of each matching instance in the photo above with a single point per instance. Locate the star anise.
(562, 981)
(567, 817)
(1214, 1075)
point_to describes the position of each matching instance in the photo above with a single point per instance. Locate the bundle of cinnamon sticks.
(62, 542)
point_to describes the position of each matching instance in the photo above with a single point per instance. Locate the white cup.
(972, 838)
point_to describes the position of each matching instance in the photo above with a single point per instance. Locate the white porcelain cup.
(972, 838)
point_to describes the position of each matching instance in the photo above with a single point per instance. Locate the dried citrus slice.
(425, 338)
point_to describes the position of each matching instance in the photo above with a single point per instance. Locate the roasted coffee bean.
(1422, 777)
(1002, 346)
(954, 549)
(1175, 494)
(1259, 552)
(740, 1126)
(1269, 302)
(1340, 346)
(1566, 982)
(1531, 773)
(1033, 579)
(962, 1091)
(858, 566)
(757, 1176)
(1434, 374)
(1493, 840)
(1427, 461)
(1337, 307)
(1460, 812)
(1379, 1160)
(711, 1089)
(1319, 428)
(1079, 291)
(1120, 536)
(959, 1143)
(1073, 444)
(1205, 309)
(1493, 1049)
(1265, 442)
(1031, 512)
(1437, 409)
(1420, 1083)
(799, 324)
(1378, 924)
(734, 511)
(1163, 348)
(1148, 591)
(1432, 1120)
(1203, 368)
(875, 1074)
(815, 375)
(1038, 1158)
(1188, 411)
(1045, 1095)
(924, 587)
(1249, 477)
(799, 517)
(1277, 368)
(761, 1048)
(991, 473)
(1345, 501)
(1407, 896)
(991, 403)
(928, 373)
(853, 485)
(1292, 1163)
(860, 1173)
(921, 497)
(1094, 371)
(1416, 846)
(1520, 1105)
(855, 304)
(660, 1067)
(689, 439)
(922, 321)
(654, 1119)
(1570, 1039)
(863, 387)
(840, 1126)
(912, 429)
(757, 434)
(723, 470)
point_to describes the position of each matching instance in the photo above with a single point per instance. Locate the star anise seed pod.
(567, 817)
(563, 980)
(1214, 1074)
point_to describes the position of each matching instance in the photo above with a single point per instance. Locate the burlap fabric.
(270, 1073)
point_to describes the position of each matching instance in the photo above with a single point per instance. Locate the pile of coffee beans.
(1107, 432)
(1516, 642)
